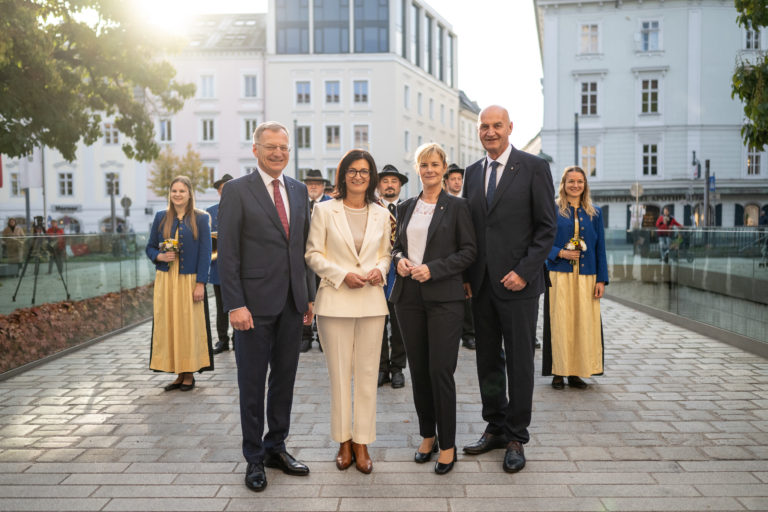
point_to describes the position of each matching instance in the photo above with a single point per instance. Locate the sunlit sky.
(499, 60)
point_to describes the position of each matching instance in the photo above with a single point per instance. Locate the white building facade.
(651, 84)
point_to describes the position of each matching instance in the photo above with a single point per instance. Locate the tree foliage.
(66, 65)
(750, 78)
(168, 165)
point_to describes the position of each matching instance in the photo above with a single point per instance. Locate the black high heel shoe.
(421, 458)
(442, 469)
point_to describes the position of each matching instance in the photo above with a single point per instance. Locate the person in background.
(57, 245)
(453, 182)
(13, 239)
(578, 271)
(392, 361)
(222, 319)
(316, 190)
(180, 247)
(349, 249)
(435, 243)
(664, 225)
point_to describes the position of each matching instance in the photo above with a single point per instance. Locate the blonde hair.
(190, 212)
(585, 200)
(426, 150)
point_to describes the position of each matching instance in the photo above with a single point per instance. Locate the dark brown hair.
(341, 174)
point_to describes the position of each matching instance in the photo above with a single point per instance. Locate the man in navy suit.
(267, 290)
(222, 320)
(511, 197)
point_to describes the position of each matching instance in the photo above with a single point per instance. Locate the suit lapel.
(442, 204)
(259, 190)
(373, 218)
(340, 219)
(294, 204)
(507, 177)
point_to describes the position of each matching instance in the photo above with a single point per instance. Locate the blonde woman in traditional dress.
(180, 247)
(578, 270)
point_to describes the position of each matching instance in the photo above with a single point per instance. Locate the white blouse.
(416, 231)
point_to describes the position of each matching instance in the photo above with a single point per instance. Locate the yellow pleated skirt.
(574, 315)
(179, 335)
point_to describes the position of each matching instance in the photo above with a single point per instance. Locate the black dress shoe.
(255, 477)
(469, 342)
(422, 457)
(286, 463)
(187, 387)
(398, 379)
(557, 382)
(383, 378)
(576, 382)
(442, 469)
(220, 346)
(172, 386)
(514, 459)
(306, 344)
(486, 443)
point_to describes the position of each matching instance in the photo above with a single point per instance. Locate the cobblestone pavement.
(678, 422)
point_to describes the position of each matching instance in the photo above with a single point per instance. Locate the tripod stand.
(34, 250)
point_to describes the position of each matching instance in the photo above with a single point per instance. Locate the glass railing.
(57, 291)
(715, 276)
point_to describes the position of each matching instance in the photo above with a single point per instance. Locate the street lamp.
(111, 177)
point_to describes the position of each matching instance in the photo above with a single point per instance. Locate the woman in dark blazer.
(435, 243)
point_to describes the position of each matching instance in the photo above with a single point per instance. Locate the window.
(210, 175)
(166, 130)
(206, 86)
(407, 141)
(418, 141)
(419, 103)
(752, 39)
(415, 35)
(333, 137)
(304, 137)
(407, 97)
(649, 36)
(589, 160)
(428, 44)
(207, 134)
(449, 61)
(439, 52)
(442, 114)
(250, 86)
(361, 136)
(650, 96)
(650, 160)
(400, 40)
(372, 26)
(361, 91)
(753, 162)
(15, 185)
(588, 39)
(292, 26)
(302, 93)
(112, 183)
(589, 98)
(431, 109)
(66, 184)
(331, 26)
(249, 127)
(110, 134)
(451, 117)
(332, 89)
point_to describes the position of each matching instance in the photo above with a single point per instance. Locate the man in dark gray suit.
(267, 290)
(511, 197)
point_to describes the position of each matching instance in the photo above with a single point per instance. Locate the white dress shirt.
(270, 188)
(500, 169)
(417, 230)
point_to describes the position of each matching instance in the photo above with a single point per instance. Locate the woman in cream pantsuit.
(349, 249)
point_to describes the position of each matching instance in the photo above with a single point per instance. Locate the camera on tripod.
(38, 224)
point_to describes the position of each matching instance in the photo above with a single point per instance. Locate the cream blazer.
(331, 255)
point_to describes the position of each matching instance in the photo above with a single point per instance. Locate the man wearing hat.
(316, 190)
(453, 182)
(392, 361)
(222, 319)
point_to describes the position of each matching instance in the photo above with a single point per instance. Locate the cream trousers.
(352, 347)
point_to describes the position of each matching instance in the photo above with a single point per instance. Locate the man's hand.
(421, 273)
(404, 267)
(309, 314)
(354, 280)
(374, 277)
(467, 291)
(199, 292)
(513, 282)
(599, 290)
(241, 319)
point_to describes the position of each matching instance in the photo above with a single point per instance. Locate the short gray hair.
(272, 126)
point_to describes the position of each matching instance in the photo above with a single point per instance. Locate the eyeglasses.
(363, 173)
(271, 148)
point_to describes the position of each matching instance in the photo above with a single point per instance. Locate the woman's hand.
(199, 292)
(374, 277)
(404, 267)
(421, 273)
(599, 290)
(569, 255)
(354, 280)
(166, 256)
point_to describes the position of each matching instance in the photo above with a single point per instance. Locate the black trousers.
(468, 328)
(430, 330)
(222, 319)
(506, 334)
(270, 348)
(392, 349)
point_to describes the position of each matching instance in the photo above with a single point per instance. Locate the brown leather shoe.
(345, 457)
(363, 461)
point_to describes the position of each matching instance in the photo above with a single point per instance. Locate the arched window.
(105, 226)
(751, 215)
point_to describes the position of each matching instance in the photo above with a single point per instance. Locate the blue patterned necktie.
(491, 184)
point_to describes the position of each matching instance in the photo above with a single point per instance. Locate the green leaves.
(750, 78)
(168, 165)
